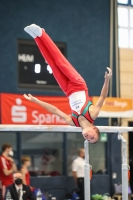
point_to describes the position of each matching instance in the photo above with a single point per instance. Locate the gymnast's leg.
(75, 81)
(59, 76)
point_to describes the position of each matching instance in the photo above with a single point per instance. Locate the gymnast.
(73, 85)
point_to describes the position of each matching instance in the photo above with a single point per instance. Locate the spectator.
(78, 171)
(7, 166)
(26, 162)
(18, 190)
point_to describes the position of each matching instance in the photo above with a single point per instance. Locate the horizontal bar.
(58, 128)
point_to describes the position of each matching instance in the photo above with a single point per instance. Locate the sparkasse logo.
(19, 112)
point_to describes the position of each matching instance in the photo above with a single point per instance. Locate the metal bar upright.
(64, 154)
(125, 168)
(19, 148)
(87, 171)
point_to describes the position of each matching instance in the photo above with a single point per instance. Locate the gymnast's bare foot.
(33, 30)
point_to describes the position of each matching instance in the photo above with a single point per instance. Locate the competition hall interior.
(66, 100)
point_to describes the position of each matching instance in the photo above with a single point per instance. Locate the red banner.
(15, 109)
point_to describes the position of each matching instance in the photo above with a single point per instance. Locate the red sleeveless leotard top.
(84, 112)
(27, 178)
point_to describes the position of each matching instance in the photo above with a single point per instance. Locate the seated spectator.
(18, 190)
(26, 162)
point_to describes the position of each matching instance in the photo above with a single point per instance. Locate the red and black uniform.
(84, 112)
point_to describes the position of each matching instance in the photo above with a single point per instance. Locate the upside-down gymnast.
(73, 85)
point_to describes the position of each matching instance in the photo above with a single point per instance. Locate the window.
(8, 137)
(123, 16)
(123, 38)
(97, 153)
(131, 18)
(45, 150)
(125, 23)
(122, 1)
(125, 2)
(98, 157)
(75, 141)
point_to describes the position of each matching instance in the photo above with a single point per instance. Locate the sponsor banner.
(15, 109)
(115, 107)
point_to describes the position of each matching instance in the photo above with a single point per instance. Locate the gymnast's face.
(90, 134)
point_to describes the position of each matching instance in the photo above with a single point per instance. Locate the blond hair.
(24, 159)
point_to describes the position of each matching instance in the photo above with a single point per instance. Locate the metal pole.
(125, 168)
(19, 148)
(87, 171)
(64, 154)
(111, 45)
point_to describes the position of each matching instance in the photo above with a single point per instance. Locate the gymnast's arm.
(50, 108)
(104, 93)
